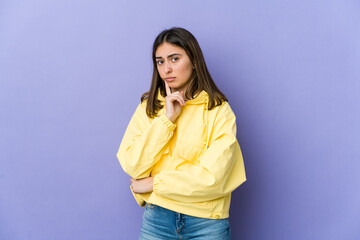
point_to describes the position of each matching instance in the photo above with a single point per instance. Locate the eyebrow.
(171, 55)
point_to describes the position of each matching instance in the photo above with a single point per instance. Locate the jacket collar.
(200, 98)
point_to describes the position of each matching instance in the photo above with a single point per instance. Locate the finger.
(180, 96)
(174, 98)
(167, 88)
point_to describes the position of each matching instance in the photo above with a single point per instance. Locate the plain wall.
(72, 73)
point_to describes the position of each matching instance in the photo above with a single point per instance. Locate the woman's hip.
(162, 223)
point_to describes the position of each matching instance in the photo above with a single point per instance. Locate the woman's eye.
(174, 59)
(160, 62)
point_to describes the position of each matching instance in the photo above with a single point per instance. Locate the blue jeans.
(161, 223)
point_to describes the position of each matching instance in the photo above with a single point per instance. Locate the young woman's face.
(174, 66)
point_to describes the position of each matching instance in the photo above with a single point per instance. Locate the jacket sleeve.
(143, 143)
(219, 171)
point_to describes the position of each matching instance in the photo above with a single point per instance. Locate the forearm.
(139, 151)
(142, 185)
(203, 182)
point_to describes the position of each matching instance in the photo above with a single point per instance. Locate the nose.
(168, 68)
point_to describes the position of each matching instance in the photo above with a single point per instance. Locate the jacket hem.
(203, 212)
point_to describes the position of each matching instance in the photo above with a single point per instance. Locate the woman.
(180, 147)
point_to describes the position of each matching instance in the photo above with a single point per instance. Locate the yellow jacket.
(196, 161)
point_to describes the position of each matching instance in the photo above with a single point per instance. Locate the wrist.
(170, 118)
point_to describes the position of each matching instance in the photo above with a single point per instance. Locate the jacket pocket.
(190, 147)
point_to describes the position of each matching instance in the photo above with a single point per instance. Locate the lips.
(170, 79)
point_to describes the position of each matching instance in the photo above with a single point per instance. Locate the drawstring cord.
(206, 125)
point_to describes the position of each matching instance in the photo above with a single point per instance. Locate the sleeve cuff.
(167, 122)
(139, 199)
(156, 183)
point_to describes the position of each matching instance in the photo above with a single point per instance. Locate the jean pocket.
(149, 206)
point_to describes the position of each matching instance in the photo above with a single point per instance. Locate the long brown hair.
(199, 80)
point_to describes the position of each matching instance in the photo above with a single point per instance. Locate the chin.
(173, 85)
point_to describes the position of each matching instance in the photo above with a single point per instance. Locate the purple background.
(72, 73)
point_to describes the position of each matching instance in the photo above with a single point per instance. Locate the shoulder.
(224, 110)
(143, 104)
(140, 111)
